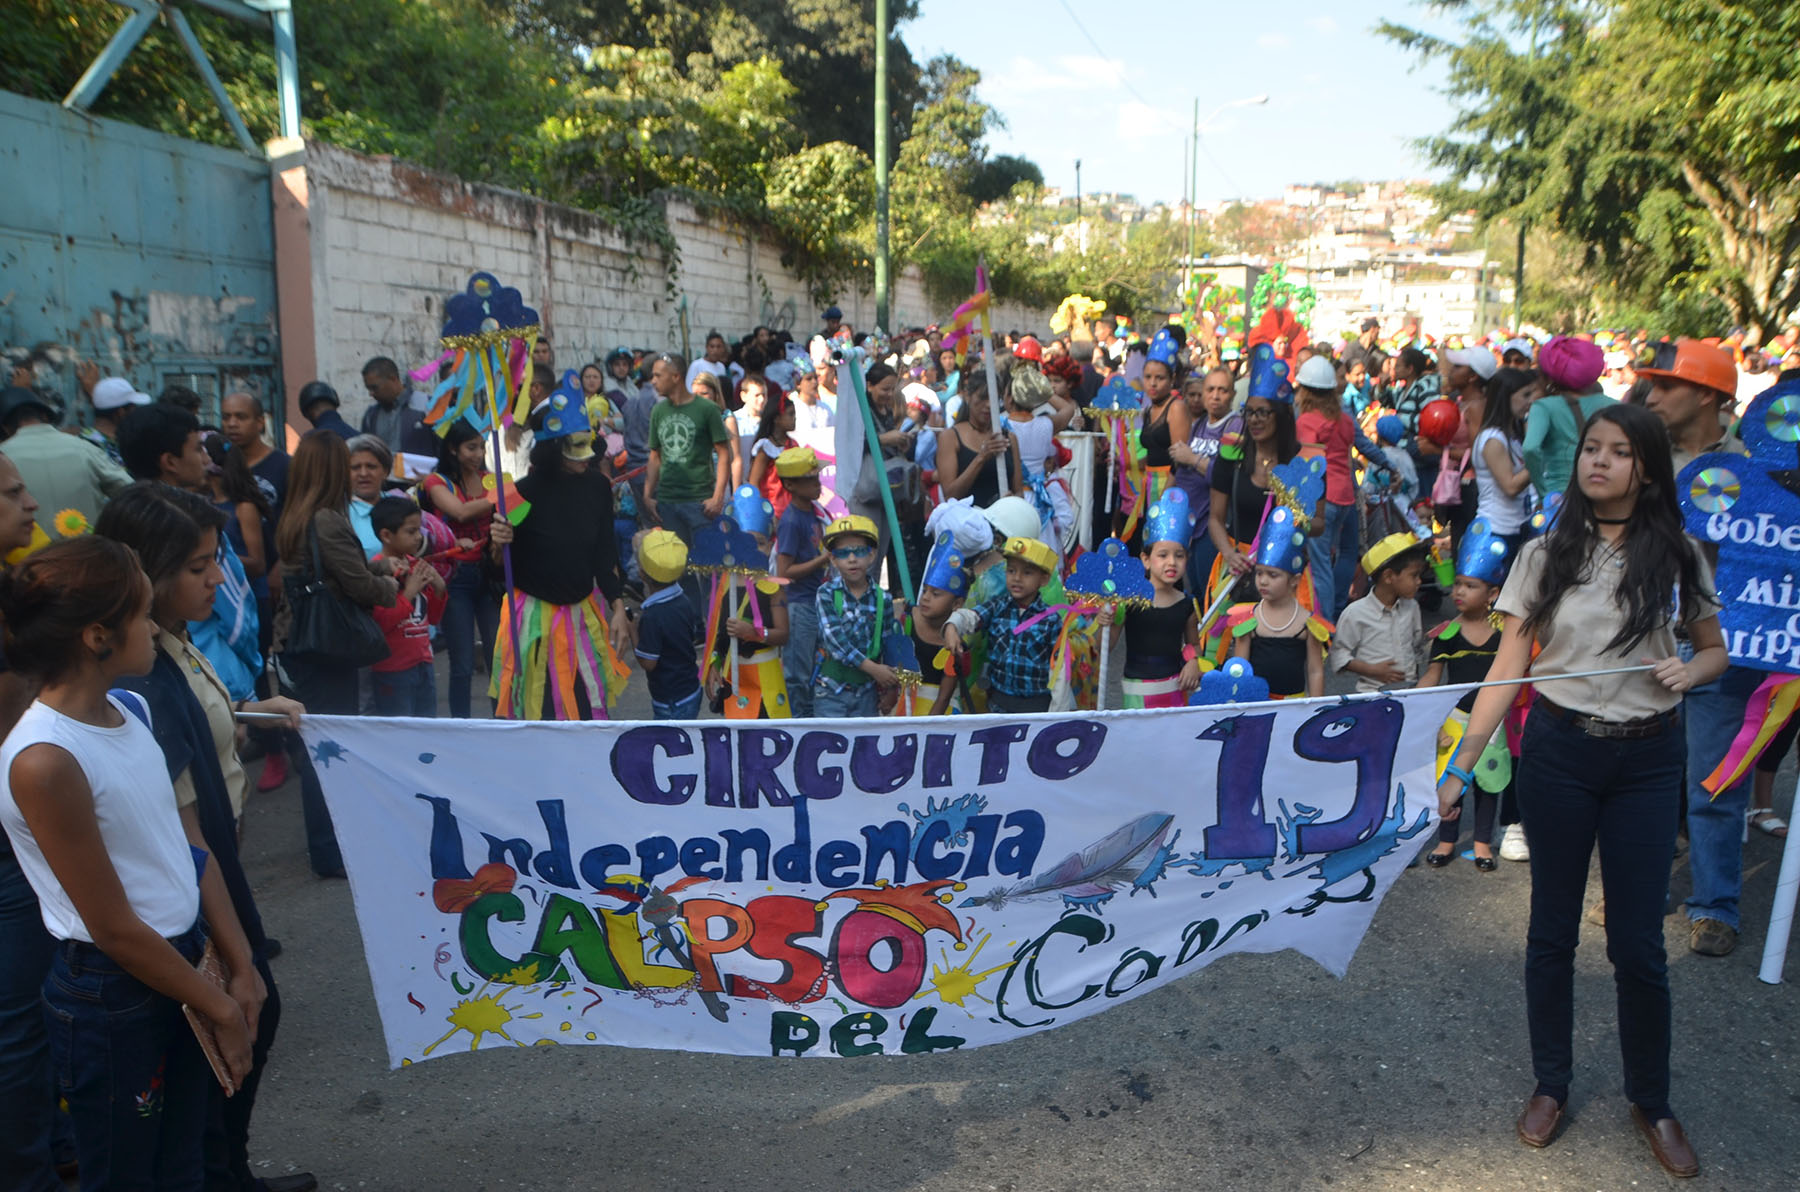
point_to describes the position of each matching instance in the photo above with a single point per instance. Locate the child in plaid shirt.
(1018, 661)
(854, 616)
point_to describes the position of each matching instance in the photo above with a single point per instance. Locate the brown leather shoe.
(1668, 1144)
(1540, 1121)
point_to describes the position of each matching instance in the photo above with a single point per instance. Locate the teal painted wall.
(149, 254)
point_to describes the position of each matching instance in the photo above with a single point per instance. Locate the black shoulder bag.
(327, 628)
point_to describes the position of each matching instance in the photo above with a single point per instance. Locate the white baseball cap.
(1522, 346)
(1318, 373)
(112, 393)
(1480, 361)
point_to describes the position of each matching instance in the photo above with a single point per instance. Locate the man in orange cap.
(1693, 396)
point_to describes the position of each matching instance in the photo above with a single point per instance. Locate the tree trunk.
(1756, 237)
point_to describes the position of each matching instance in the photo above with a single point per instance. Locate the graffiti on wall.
(156, 338)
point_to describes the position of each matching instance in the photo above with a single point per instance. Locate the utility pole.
(881, 165)
(1080, 228)
(1193, 156)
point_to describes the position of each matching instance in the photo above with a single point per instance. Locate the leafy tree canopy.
(1659, 140)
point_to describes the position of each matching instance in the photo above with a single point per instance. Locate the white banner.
(855, 887)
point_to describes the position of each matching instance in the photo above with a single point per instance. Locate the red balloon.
(1439, 420)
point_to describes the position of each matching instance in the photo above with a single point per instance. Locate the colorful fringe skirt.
(554, 662)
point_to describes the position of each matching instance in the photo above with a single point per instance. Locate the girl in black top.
(966, 455)
(1162, 641)
(1462, 650)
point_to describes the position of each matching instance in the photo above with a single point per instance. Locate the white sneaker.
(1512, 844)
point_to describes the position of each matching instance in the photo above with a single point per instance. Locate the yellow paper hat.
(796, 462)
(662, 556)
(851, 523)
(1035, 551)
(1387, 548)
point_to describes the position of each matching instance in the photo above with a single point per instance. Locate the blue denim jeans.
(27, 1096)
(135, 1079)
(470, 605)
(1715, 713)
(1576, 792)
(799, 658)
(409, 692)
(685, 518)
(686, 708)
(1332, 554)
(853, 704)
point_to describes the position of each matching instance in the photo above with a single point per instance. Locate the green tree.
(1660, 137)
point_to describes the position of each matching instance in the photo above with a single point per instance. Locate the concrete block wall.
(388, 242)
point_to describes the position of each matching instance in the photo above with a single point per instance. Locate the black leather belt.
(1613, 730)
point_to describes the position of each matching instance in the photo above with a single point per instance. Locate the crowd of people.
(1307, 511)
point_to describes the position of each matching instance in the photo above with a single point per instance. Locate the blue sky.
(1343, 103)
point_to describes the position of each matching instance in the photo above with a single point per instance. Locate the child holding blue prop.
(1281, 638)
(752, 685)
(941, 592)
(1461, 652)
(1162, 638)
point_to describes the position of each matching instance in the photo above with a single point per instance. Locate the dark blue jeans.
(685, 518)
(135, 1079)
(1576, 791)
(471, 605)
(409, 692)
(329, 691)
(27, 1096)
(1715, 713)
(228, 1118)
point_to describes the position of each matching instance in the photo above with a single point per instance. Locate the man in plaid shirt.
(1018, 661)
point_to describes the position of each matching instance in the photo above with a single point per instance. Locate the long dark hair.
(1660, 566)
(1500, 391)
(1287, 434)
(318, 478)
(235, 476)
(163, 525)
(448, 465)
(775, 400)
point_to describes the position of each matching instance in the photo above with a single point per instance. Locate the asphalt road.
(1257, 1072)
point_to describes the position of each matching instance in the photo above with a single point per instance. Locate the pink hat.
(1572, 365)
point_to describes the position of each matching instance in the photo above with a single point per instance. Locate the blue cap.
(1483, 554)
(751, 510)
(1283, 542)
(1390, 428)
(1269, 376)
(944, 567)
(1169, 520)
(832, 312)
(1163, 348)
(566, 413)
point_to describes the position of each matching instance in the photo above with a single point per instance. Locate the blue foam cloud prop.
(486, 306)
(1110, 572)
(723, 546)
(1118, 394)
(1233, 683)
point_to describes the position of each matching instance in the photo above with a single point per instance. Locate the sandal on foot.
(1764, 820)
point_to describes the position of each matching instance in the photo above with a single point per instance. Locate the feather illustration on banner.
(491, 332)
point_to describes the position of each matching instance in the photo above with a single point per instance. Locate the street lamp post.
(1080, 231)
(1194, 163)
